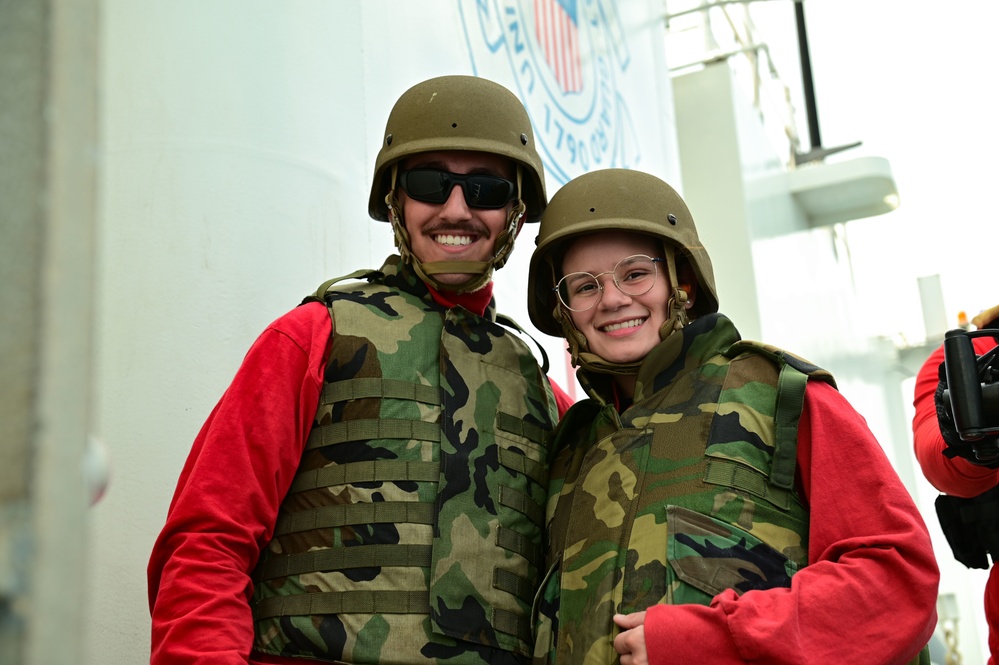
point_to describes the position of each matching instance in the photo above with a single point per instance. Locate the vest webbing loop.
(385, 512)
(517, 543)
(345, 558)
(365, 430)
(344, 602)
(522, 503)
(735, 475)
(515, 425)
(369, 471)
(790, 400)
(510, 623)
(524, 464)
(343, 391)
(504, 580)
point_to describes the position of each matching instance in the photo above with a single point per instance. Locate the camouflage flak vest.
(688, 492)
(412, 531)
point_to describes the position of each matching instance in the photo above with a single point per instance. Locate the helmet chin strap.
(481, 271)
(578, 348)
(677, 303)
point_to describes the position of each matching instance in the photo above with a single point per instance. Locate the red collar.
(475, 302)
(621, 402)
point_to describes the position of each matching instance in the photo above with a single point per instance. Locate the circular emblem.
(565, 58)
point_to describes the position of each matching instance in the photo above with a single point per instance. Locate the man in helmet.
(714, 500)
(371, 487)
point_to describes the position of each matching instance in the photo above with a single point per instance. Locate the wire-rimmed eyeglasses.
(633, 276)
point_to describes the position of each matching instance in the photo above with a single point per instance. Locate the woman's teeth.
(633, 323)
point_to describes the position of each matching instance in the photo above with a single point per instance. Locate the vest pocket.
(708, 556)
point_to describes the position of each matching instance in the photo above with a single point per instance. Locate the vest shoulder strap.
(794, 373)
(320, 294)
(781, 357)
(507, 321)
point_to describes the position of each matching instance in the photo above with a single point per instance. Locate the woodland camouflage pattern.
(412, 532)
(673, 500)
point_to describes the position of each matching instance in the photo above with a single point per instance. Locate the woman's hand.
(630, 642)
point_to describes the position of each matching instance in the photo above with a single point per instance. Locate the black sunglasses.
(434, 186)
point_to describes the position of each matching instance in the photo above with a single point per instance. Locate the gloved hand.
(956, 446)
(987, 319)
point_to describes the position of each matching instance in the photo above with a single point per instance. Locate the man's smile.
(452, 240)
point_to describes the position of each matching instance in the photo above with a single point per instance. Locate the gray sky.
(916, 87)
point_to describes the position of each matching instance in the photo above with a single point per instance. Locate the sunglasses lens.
(486, 191)
(427, 185)
(434, 186)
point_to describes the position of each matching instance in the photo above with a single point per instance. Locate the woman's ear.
(688, 282)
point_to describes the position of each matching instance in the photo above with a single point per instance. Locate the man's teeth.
(633, 323)
(454, 241)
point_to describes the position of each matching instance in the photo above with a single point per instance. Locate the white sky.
(915, 82)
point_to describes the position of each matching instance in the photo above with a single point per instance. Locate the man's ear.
(520, 225)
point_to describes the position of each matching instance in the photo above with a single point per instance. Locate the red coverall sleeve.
(869, 592)
(227, 498)
(562, 399)
(954, 476)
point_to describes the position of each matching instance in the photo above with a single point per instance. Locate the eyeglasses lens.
(633, 276)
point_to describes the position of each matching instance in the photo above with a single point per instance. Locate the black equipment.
(972, 392)
(969, 401)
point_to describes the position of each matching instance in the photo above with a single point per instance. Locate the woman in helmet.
(714, 500)
(370, 489)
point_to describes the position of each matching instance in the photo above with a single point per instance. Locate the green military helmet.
(459, 113)
(614, 200)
